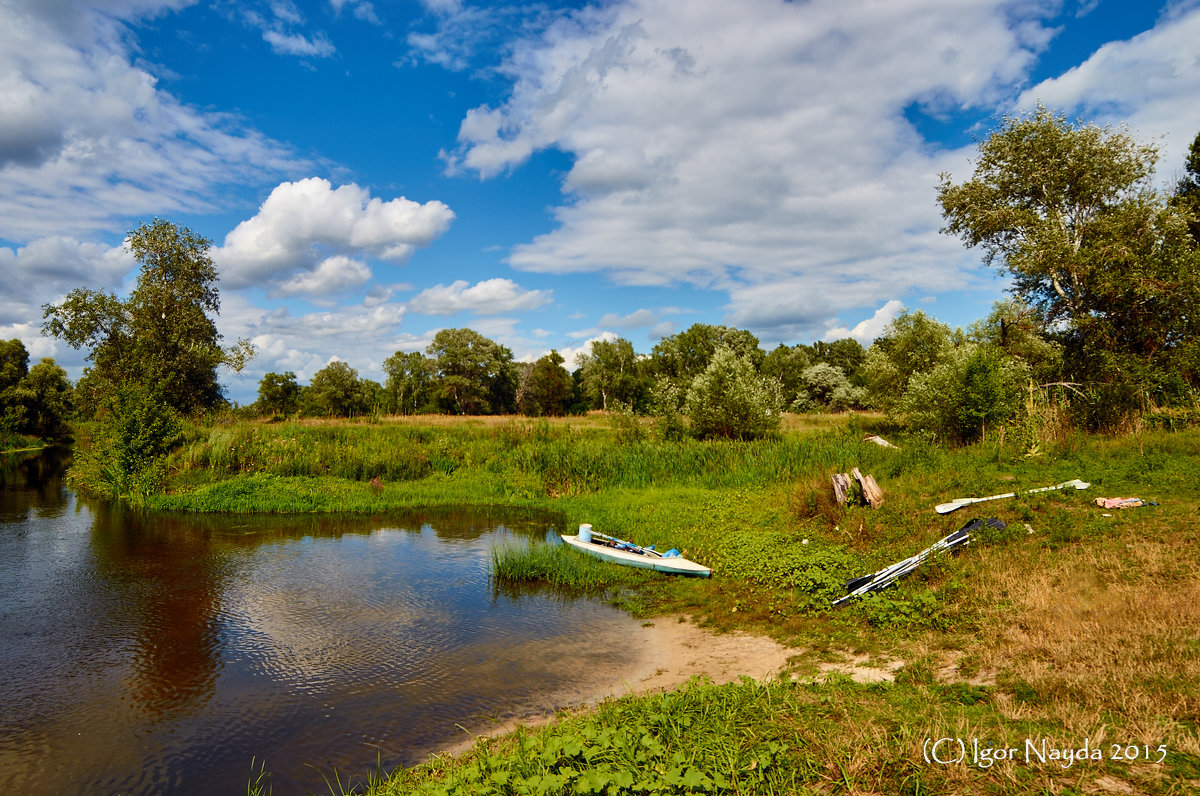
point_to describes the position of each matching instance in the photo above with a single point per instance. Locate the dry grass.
(1101, 632)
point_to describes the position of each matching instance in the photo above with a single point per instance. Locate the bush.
(729, 399)
(126, 459)
(971, 388)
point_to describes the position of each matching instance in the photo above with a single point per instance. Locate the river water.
(163, 654)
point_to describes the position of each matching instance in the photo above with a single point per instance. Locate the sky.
(548, 174)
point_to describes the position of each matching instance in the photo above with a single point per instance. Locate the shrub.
(729, 399)
(971, 388)
(136, 429)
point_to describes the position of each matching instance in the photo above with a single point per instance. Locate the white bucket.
(585, 533)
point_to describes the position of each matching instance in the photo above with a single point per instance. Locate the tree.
(971, 389)
(827, 387)
(786, 364)
(49, 395)
(335, 391)
(409, 388)
(278, 394)
(474, 374)
(33, 401)
(1018, 331)
(912, 343)
(1070, 213)
(127, 459)
(612, 372)
(683, 356)
(163, 332)
(1187, 192)
(846, 354)
(546, 388)
(731, 400)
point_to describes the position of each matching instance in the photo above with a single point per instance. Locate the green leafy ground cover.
(1068, 630)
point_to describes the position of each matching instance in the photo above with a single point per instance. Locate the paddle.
(889, 575)
(635, 548)
(958, 503)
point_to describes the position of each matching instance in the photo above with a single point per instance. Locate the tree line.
(463, 372)
(1103, 324)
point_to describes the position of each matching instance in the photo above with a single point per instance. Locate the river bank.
(1077, 630)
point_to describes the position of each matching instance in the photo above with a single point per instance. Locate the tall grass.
(558, 460)
(558, 566)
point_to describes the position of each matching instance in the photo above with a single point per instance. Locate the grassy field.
(1060, 655)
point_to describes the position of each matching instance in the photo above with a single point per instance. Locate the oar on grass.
(958, 503)
(889, 575)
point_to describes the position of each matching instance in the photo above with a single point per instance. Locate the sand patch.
(667, 652)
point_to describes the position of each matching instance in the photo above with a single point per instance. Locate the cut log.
(841, 488)
(872, 494)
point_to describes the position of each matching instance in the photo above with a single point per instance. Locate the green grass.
(1082, 628)
(561, 567)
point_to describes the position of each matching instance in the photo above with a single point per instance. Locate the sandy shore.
(667, 652)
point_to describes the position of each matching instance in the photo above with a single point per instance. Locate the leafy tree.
(546, 387)
(827, 386)
(912, 343)
(163, 332)
(1187, 192)
(683, 356)
(127, 457)
(1070, 213)
(14, 363)
(335, 391)
(786, 364)
(33, 401)
(278, 394)
(613, 372)
(49, 400)
(731, 400)
(973, 388)
(409, 388)
(846, 354)
(474, 374)
(1018, 331)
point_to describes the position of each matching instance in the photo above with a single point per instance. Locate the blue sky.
(545, 173)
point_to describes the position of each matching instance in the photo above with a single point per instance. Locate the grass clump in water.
(556, 565)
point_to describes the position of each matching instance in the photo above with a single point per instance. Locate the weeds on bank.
(1082, 629)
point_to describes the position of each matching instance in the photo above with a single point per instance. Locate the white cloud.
(1150, 82)
(571, 354)
(301, 224)
(750, 146)
(318, 46)
(332, 275)
(47, 268)
(868, 330)
(637, 319)
(489, 297)
(87, 138)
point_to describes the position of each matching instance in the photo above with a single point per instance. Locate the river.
(163, 654)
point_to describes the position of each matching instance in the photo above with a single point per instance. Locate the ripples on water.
(151, 654)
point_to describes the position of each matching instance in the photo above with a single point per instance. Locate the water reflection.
(160, 653)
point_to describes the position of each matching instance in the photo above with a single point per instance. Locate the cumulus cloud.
(489, 297)
(638, 319)
(302, 224)
(867, 331)
(744, 146)
(332, 275)
(86, 137)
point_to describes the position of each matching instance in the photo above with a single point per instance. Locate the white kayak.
(629, 554)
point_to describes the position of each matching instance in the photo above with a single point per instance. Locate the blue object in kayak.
(672, 553)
